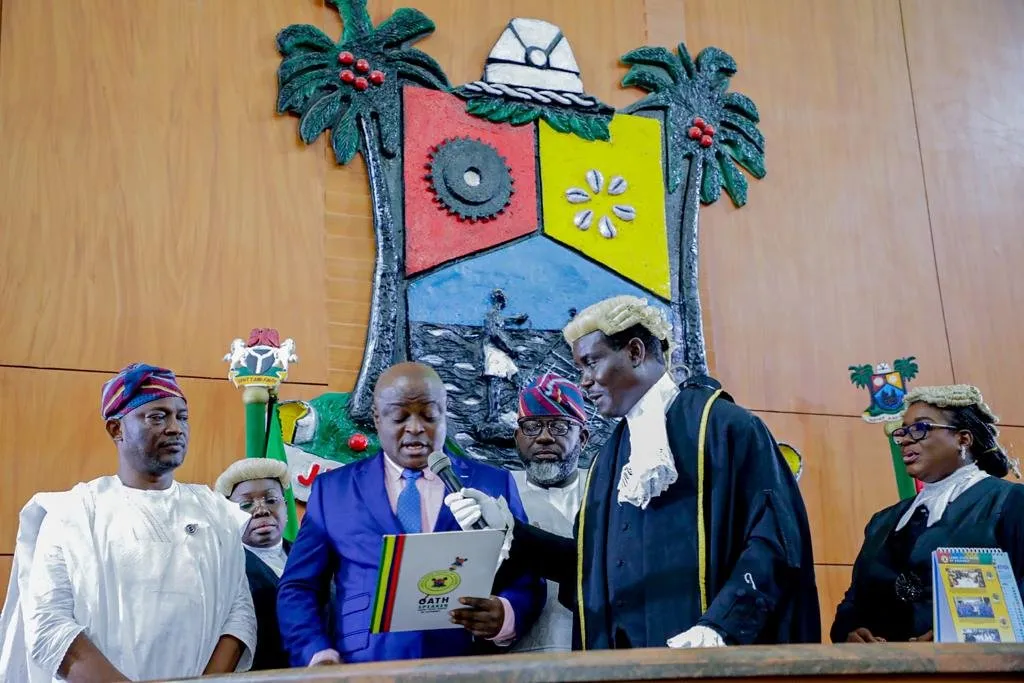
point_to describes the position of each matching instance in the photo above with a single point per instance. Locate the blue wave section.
(539, 277)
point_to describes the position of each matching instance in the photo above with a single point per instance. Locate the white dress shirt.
(554, 510)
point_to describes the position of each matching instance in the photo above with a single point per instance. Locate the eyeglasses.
(555, 427)
(270, 502)
(919, 430)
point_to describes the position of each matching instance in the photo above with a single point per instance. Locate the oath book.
(423, 576)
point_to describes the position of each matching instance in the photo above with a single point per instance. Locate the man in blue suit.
(351, 508)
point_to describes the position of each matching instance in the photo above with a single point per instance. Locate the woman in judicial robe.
(949, 442)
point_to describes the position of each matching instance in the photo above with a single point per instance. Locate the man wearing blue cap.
(132, 576)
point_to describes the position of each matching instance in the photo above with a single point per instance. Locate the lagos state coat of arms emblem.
(887, 385)
(504, 205)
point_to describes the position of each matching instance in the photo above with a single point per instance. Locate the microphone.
(441, 465)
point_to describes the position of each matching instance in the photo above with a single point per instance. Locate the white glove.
(325, 657)
(469, 505)
(698, 636)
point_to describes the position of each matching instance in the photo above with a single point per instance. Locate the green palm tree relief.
(352, 88)
(709, 134)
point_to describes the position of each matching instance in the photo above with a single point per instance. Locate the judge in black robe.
(948, 440)
(725, 547)
(270, 653)
(257, 486)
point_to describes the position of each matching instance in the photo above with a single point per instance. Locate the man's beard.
(157, 465)
(548, 474)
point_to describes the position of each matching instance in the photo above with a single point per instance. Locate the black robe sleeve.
(541, 553)
(848, 613)
(766, 575)
(1010, 531)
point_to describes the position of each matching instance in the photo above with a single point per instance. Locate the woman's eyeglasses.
(535, 427)
(270, 502)
(917, 431)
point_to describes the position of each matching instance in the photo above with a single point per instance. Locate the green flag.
(255, 438)
(275, 450)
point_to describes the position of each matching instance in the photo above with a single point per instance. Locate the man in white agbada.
(691, 530)
(133, 576)
(550, 438)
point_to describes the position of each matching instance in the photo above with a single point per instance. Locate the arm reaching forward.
(532, 550)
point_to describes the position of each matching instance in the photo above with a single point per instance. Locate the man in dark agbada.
(692, 531)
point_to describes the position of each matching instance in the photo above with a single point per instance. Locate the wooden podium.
(902, 662)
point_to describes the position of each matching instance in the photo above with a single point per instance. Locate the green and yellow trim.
(702, 533)
(579, 558)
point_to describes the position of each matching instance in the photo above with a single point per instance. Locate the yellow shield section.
(607, 199)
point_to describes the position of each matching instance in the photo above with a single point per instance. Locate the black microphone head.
(438, 461)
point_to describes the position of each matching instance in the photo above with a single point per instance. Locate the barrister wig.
(968, 411)
(248, 469)
(615, 315)
(620, 319)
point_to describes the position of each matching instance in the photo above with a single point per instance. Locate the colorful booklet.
(976, 597)
(422, 577)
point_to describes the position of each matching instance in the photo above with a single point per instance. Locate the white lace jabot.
(651, 468)
(937, 496)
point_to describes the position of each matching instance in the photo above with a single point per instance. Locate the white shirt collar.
(651, 468)
(273, 556)
(938, 495)
(555, 491)
(393, 470)
(152, 494)
(661, 395)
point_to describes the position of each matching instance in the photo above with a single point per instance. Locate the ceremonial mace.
(258, 367)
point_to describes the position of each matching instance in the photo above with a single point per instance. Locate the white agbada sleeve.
(241, 621)
(48, 605)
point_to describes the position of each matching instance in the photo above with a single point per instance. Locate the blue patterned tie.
(408, 508)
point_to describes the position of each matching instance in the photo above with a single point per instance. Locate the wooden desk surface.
(904, 662)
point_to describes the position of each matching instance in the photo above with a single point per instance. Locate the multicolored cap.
(136, 385)
(552, 396)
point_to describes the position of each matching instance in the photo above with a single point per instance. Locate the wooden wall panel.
(52, 437)
(967, 67)
(832, 580)
(349, 253)
(848, 476)
(153, 205)
(829, 263)
(1012, 439)
(5, 575)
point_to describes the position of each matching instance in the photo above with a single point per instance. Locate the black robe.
(637, 571)
(270, 654)
(989, 514)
